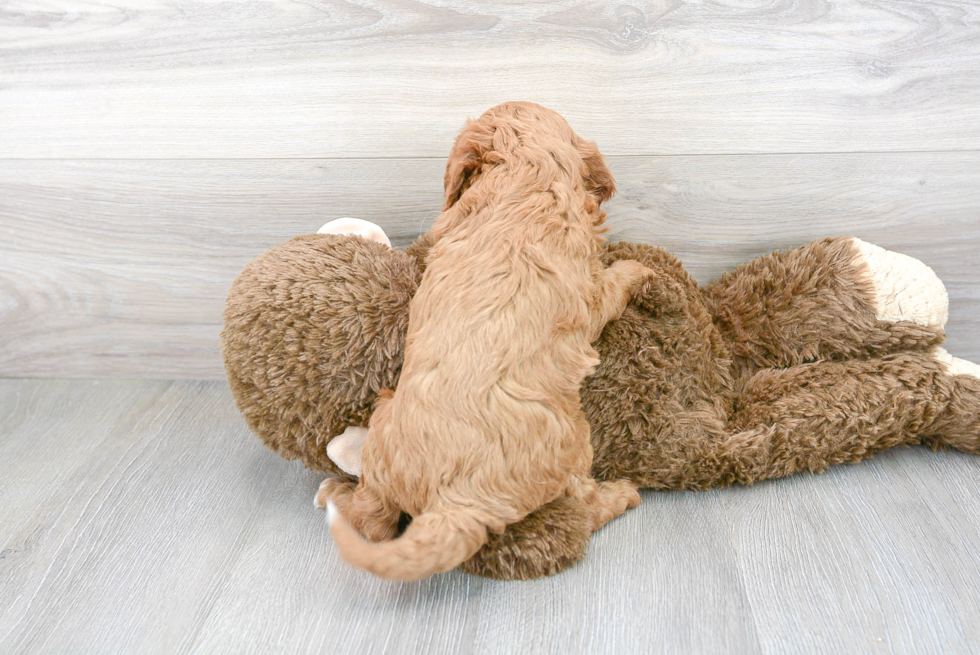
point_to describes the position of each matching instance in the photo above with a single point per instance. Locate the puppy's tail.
(434, 542)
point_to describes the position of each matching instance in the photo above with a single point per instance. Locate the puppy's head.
(524, 131)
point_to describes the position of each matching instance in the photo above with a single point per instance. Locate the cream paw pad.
(905, 288)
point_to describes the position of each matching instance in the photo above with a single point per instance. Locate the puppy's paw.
(331, 489)
(623, 491)
(633, 274)
(613, 499)
(630, 268)
(633, 500)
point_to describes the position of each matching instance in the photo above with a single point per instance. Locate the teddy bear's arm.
(830, 299)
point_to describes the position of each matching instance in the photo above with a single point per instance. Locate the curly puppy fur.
(486, 423)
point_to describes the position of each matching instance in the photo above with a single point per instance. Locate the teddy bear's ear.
(466, 158)
(598, 178)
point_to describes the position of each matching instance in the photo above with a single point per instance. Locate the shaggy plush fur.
(780, 366)
(549, 540)
(486, 423)
(314, 328)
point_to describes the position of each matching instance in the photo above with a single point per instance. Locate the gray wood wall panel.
(146, 518)
(397, 78)
(120, 268)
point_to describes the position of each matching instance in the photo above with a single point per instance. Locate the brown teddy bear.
(795, 361)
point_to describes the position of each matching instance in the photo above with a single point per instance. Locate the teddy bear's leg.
(545, 542)
(959, 426)
(619, 281)
(812, 416)
(603, 500)
(555, 536)
(832, 298)
(361, 506)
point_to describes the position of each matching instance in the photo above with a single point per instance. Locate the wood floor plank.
(180, 532)
(120, 268)
(48, 431)
(290, 592)
(872, 557)
(144, 533)
(397, 78)
(625, 597)
(171, 529)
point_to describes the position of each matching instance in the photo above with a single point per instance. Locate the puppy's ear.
(598, 178)
(465, 159)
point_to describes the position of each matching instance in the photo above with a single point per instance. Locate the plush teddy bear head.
(314, 328)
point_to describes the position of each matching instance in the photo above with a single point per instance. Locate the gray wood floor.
(148, 150)
(144, 517)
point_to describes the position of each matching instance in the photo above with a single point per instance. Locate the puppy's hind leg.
(605, 500)
(361, 506)
(337, 489)
(618, 284)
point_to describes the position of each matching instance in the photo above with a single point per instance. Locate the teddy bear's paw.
(905, 288)
(330, 489)
(955, 365)
(357, 227)
(344, 450)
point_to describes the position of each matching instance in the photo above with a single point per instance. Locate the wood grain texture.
(144, 517)
(875, 557)
(139, 534)
(120, 268)
(396, 78)
(65, 424)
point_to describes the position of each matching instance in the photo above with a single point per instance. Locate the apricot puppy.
(486, 424)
